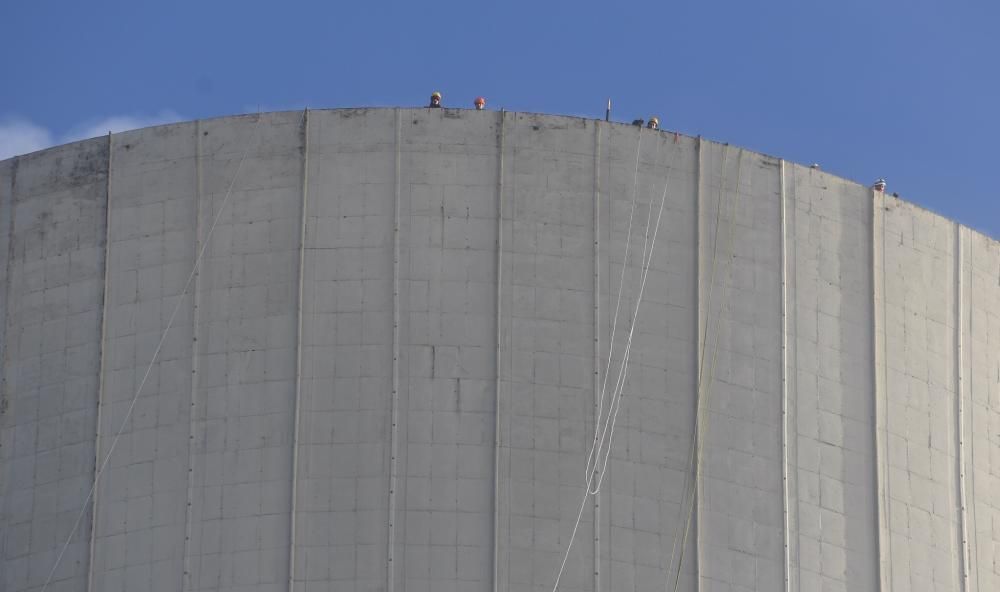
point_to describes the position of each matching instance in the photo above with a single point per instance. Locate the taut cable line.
(604, 438)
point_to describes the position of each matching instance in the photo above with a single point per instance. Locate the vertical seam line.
(394, 402)
(960, 396)
(497, 439)
(195, 315)
(597, 338)
(296, 412)
(103, 366)
(784, 372)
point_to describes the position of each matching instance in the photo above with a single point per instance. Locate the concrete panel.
(740, 511)
(447, 272)
(981, 329)
(342, 506)
(243, 409)
(140, 499)
(55, 262)
(921, 475)
(830, 377)
(386, 370)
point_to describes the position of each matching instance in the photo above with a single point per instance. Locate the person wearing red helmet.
(480, 103)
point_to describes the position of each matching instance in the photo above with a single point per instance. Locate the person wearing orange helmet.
(435, 100)
(480, 103)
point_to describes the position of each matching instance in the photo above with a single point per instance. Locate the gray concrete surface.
(360, 391)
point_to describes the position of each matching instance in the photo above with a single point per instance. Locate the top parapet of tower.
(538, 122)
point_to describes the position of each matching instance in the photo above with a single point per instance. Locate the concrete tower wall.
(372, 381)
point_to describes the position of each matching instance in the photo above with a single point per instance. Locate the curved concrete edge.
(556, 121)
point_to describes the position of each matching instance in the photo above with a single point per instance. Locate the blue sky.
(909, 91)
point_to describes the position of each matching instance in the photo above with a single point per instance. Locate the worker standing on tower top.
(480, 103)
(435, 100)
(879, 185)
(654, 123)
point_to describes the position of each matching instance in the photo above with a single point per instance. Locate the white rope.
(615, 406)
(156, 352)
(599, 435)
(600, 405)
(621, 285)
(607, 434)
(618, 393)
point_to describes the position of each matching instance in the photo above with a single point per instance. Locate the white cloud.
(118, 123)
(20, 136)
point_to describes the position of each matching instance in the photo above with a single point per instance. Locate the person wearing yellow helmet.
(435, 100)
(654, 123)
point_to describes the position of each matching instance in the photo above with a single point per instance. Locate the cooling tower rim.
(995, 242)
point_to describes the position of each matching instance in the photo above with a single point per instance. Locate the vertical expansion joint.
(960, 392)
(7, 284)
(103, 363)
(784, 372)
(791, 381)
(698, 357)
(394, 400)
(883, 538)
(597, 338)
(195, 316)
(297, 411)
(885, 386)
(6, 217)
(497, 440)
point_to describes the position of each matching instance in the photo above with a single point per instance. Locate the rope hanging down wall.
(604, 434)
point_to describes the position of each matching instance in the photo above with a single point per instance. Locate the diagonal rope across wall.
(603, 436)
